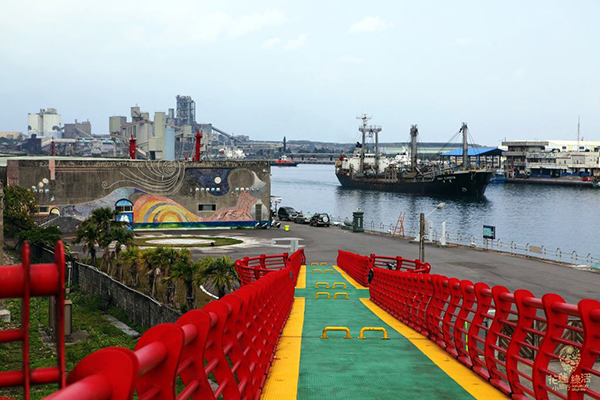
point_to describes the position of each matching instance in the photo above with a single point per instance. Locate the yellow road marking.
(301, 283)
(349, 278)
(282, 380)
(466, 378)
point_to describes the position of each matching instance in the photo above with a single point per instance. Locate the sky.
(306, 69)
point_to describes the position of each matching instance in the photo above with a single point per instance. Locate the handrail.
(232, 339)
(492, 330)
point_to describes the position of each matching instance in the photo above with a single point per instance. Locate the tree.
(19, 208)
(88, 233)
(187, 272)
(101, 229)
(39, 236)
(218, 273)
(159, 261)
(130, 266)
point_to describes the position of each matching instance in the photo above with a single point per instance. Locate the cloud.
(295, 44)
(351, 59)
(463, 41)
(369, 25)
(267, 44)
(251, 23)
(521, 72)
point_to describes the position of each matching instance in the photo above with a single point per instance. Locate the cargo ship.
(374, 171)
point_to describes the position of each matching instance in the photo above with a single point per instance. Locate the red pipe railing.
(233, 340)
(509, 339)
(358, 267)
(26, 281)
(252, 269)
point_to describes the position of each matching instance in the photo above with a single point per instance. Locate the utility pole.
(421, 237)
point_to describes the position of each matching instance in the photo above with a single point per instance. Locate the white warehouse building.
(46, 123)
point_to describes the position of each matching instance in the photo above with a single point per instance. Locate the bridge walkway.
(407, 365)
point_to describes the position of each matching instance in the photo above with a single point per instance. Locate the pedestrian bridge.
(366, 327)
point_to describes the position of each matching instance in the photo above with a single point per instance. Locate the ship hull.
(284, 164)
(460, 183)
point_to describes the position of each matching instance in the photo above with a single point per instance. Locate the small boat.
(284, 162)
(499, 176)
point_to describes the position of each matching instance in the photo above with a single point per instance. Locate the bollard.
(336, 328)
(287, 228)
(368, 328)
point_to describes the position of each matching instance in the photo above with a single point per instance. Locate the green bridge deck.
(371, 368)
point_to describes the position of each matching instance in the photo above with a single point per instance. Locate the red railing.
(358, 266)
(252, 269)
(231, 340)
(26, 281)
(525, 346)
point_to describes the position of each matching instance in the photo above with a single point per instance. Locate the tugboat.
(376, 172)
(284, 162)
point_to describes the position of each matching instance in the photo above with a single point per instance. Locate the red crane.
(132, 148)
(198, 143)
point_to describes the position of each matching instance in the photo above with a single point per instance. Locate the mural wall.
(153, 194)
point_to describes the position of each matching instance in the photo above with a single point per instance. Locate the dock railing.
(533, 249)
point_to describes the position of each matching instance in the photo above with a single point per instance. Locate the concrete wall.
(165, 194)
(139, 308)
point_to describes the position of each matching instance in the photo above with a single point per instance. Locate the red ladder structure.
(26, 281)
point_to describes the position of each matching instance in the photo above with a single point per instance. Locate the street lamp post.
(422, 230)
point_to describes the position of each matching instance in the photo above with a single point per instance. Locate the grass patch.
(218, 241)
(87, 315)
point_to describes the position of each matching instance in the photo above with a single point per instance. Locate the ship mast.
(414, 132)
(363, 129)
(465, 146)
(371, 130)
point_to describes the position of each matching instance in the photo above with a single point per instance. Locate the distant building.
(553, 158)
(12, 135)
(78, 129)
(46, 123)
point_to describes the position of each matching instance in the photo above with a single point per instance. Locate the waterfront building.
(552, 158)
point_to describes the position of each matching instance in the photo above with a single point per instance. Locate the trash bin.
(357, 221)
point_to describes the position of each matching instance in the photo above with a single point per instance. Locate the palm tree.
(130, 263)
(101, 228)
(159, 261)
(187, 272)
(219, 273)
(89, 234)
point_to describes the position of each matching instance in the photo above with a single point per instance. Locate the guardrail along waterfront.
(533, 249)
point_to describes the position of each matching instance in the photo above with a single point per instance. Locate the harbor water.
(561, 219)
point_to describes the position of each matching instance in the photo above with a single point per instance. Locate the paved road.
(321, 244)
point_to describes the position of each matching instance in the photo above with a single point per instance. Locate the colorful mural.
(159, 209)
(153, 209)
(153, 197)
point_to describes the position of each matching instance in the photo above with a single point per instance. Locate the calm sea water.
(556, 217)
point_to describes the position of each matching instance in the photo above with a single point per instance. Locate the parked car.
(320, 219)
(287, 214)
(303, 218)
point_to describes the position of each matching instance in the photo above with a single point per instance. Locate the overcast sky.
(306, 69)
